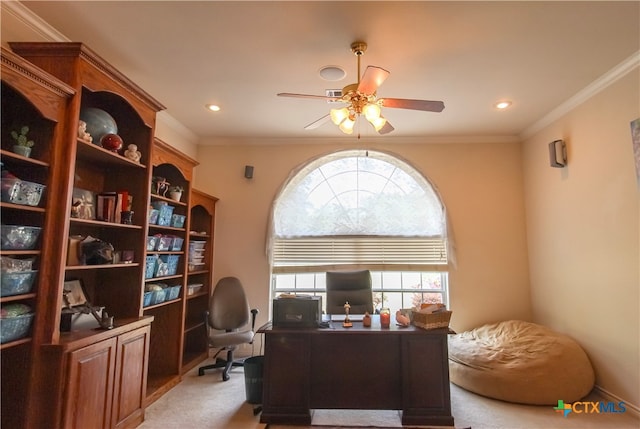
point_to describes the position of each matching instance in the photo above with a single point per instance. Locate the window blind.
(313, 254)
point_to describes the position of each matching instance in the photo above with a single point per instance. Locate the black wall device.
(248, 171)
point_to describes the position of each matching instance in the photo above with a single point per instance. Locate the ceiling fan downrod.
(358, 48)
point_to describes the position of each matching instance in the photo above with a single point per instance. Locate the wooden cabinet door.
(131, 378)
(90, 386)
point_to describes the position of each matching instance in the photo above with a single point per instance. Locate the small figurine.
(366, 320)
(133, 153)
(82, 132)
(347, 322)
(162, 186)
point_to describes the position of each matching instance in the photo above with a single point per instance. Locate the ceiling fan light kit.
(361, 99)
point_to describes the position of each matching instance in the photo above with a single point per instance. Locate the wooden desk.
(356, 368)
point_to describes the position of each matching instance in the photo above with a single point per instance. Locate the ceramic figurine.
(82, 132)
(133, 153)
(366, 320)
(347, 322)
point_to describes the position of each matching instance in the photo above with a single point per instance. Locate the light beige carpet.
(209, 403)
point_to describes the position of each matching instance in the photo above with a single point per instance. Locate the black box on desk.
(297, 312)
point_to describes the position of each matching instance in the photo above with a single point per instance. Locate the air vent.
(333, 93)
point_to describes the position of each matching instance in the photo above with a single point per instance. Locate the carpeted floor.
(209, 403)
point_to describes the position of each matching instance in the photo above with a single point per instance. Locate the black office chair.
(353, 287)
(227, 324)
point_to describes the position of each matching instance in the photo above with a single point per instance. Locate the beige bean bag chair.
(520, 362)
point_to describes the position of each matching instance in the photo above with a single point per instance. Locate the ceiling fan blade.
(386, 129)
(371, 79)
(319, 97)
(317, 123)
(405, 103)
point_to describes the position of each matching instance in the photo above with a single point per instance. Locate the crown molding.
(591, 90)
(347, 140)
(33, 22)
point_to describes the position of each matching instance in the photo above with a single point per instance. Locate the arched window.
(360, 209)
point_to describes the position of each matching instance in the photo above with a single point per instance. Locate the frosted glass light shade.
(371, 112)
(339, 115)
(378, 123)
(347, 126)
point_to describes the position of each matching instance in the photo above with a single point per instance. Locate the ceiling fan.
(361, 99)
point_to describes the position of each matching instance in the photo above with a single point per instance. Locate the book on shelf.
(110, 205)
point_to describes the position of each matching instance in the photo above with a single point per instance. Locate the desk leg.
(426, 398)
(285, 398)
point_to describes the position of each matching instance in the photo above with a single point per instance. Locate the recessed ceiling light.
(501, 105)
(332, 73)
(212, 107)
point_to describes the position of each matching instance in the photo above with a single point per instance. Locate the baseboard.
(634, 409)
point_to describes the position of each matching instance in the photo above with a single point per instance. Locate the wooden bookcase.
(34, 98)
(63, 361)
(202, 227)
(165, 357)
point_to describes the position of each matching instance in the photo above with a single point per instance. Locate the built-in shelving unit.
(165, 357)
(201, 230)
(67, 366)
(36, 99)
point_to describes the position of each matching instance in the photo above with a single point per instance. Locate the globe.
(98, 123)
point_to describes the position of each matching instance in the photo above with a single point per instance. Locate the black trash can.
(253, 379)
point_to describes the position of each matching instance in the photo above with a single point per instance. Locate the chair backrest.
(228, 305)
(349, 286)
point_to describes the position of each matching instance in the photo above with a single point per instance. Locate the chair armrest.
(206, 321)
(254, 313)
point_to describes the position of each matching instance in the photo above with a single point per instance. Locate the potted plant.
(23, 145)
(175, 192)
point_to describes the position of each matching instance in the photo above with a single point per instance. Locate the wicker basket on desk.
(432, 320)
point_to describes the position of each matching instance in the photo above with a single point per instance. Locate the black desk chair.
(349, 286)
(227, 324)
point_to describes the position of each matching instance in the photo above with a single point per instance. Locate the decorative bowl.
(16, 237)
(98, 123)
(112, 142)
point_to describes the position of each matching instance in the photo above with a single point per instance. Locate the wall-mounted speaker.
(558, 153)
(248, 171)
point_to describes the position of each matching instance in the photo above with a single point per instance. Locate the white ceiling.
(241, 54)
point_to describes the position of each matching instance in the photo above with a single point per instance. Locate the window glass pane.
(393, 300)
(413, 300)
(391, 280)
(378, 194)
(432, 281)
(321, 281)
(432, 298)
(378, 302)
(305, 281)
(285, 282)
(411, 280)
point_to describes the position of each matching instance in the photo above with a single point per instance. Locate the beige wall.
(480, 183)
(583, 235)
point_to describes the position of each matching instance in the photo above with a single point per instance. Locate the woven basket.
(14, 328)
(433, 320)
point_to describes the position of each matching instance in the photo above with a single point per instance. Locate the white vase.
(22, 150)
(175, 196)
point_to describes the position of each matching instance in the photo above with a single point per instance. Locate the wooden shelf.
(22, 159)
(101, 267)
(12, 206)
(102, 224)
